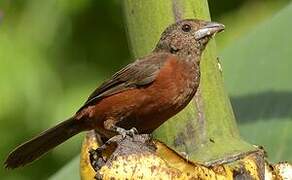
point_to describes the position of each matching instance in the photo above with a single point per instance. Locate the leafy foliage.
(257, 71)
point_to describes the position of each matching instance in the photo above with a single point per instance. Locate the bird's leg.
(109, 124)
(131, 132)
(134, 131)
(96, 157)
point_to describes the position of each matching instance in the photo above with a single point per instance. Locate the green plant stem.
(206, 130)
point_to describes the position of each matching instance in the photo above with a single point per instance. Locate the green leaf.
(70, 171)
(257, 72)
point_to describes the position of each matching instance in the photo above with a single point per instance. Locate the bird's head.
(188, 36)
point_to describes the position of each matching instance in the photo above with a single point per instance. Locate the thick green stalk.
(206, 130)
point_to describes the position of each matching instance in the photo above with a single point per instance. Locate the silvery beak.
(209, 30)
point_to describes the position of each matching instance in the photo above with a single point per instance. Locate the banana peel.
(90, 142)
(142, 157)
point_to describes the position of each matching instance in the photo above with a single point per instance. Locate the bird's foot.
(133, 131)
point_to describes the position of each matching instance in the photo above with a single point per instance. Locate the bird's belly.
(149, 114)
(146, 108)
(157, 103)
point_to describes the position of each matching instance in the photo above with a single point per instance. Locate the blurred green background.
(54, 53)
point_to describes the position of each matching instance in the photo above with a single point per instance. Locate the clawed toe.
(133, 131)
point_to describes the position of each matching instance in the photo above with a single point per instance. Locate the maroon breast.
(146, 108)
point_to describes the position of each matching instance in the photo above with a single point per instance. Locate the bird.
(142, 95)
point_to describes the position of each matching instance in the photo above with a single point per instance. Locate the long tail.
(36, 147)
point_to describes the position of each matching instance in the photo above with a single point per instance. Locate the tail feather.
(36, 147)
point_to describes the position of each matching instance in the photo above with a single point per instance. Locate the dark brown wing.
(139, 73)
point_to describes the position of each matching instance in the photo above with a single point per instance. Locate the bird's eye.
(186, 28)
